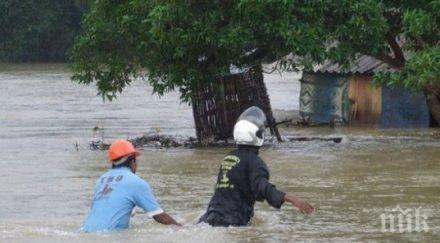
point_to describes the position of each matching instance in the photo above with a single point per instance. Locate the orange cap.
(121, 148)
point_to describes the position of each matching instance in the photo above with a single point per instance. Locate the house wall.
(327, 97)
(323, 98)
(402, 108)
(365, 101)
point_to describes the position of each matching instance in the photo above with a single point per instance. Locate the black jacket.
(243, 179)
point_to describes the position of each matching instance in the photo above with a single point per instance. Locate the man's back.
(116, 193)
(242, 180)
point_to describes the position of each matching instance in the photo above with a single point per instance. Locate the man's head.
(250, 126)
(122, 153)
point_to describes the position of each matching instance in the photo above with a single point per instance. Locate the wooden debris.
(166, 141)
(323, 139)
(154, 140)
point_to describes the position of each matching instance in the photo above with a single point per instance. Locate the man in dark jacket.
(244, 178)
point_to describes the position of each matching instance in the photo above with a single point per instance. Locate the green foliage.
(420, 29)
(185, 45)
(38, 30)
(355, 27)
(422, 69)
(114, 45)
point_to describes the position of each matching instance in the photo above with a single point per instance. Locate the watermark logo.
(400, 220)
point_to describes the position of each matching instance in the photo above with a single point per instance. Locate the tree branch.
(397, 50)
(392, 62)
(420, 43)
(433, 101)
(398, 61)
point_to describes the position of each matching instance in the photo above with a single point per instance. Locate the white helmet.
(250, 126)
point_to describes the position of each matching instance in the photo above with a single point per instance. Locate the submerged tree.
(184, 45)
(187, 44)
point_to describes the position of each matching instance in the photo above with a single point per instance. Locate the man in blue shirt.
(119, 190)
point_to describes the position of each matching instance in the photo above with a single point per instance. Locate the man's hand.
(303, 206)
(166, 219)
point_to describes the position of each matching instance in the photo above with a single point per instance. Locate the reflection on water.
(46, 184)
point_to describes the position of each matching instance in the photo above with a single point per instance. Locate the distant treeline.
(38, 31)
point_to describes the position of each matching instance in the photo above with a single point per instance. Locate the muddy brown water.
(46, 182)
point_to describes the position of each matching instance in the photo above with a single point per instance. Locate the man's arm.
(262, 188)
(145, 199)
(302, 205)
(165, 219)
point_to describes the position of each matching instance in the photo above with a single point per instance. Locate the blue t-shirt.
(117, 192)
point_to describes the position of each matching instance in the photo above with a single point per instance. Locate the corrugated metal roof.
(363, 64)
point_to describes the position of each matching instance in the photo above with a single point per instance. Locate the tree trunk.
(217, 107)
(433, 100)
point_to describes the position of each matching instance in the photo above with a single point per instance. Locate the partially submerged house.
(331, 94)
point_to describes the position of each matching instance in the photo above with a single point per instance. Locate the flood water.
(47, 171)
